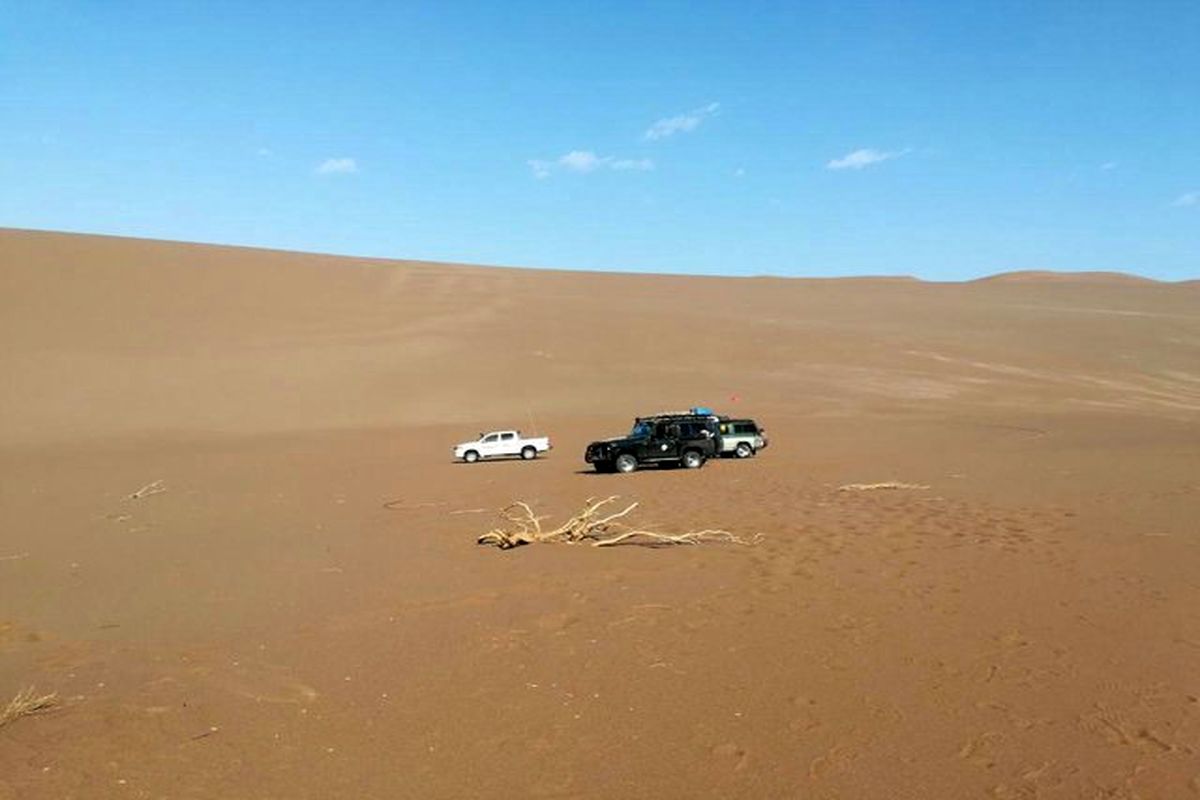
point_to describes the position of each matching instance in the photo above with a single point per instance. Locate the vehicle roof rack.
(692, 412)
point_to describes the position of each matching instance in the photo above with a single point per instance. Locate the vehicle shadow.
(641, 468)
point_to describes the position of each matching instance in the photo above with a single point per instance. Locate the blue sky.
(942, 139)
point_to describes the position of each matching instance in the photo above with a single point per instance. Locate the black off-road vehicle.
(687, 439)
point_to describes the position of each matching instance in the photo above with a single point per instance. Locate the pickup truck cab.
(502, 444)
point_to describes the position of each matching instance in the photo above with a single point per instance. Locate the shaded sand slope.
(303, 613)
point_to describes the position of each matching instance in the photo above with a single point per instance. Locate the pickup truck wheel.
(470, 456)
(528, 452)
(625, 463)
(743, 450)
(691, 459)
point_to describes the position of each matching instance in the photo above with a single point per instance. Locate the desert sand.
(297, 607)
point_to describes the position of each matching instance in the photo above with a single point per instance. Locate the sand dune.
(301, 611)
(1046, 276)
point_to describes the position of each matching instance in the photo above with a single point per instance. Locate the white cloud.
(1187, 199)
(740, 172)
(1107, 165)
(580, 161)
(863, 158)
(681, 123)
(638, 164)
(337, 166)
(265, 152)
(585, 161)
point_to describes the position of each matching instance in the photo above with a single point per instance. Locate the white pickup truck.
(501, 444)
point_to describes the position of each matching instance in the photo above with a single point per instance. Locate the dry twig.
(400, 505)
(25, 704)
(150, 488)
(868, 487)
(589, 525)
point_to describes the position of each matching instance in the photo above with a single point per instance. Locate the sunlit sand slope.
(236, 550)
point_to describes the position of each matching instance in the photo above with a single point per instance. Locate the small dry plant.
(594, 525)
(25, 704)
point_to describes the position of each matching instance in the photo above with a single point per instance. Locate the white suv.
(742, 437)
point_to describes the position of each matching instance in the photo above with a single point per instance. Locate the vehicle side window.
(507, 437)
(491, 437)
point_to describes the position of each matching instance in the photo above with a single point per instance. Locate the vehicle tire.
(529, 452)
(625, 463)
(691, 459)
(743, 450)
(470, 456)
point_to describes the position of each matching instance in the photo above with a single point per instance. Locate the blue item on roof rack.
(701, 410)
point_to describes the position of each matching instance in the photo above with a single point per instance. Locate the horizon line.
(1012, 273)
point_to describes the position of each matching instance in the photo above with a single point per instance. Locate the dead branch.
(691, 537)
(26, 703)
(589, 526)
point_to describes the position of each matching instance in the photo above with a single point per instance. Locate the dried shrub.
(25, 704)
(594, 526)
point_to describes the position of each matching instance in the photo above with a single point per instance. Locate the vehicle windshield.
(640, 429)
